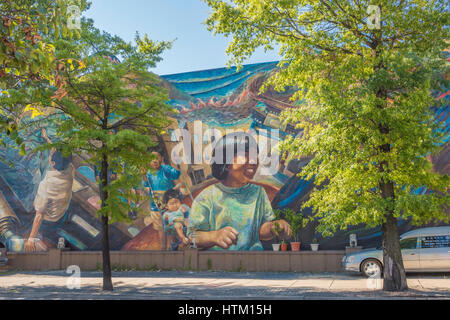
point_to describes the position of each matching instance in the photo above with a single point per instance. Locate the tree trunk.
(394, 275)
(107, 280)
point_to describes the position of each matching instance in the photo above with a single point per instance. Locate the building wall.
(222, 99)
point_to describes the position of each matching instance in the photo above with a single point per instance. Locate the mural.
(45, 197)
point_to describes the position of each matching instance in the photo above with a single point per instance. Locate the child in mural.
(175, 219)
(53, 197)
(233, 214)
(155, 185)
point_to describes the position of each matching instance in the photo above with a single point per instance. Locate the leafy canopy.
(27, 57)
(364, 96)
(110, 110)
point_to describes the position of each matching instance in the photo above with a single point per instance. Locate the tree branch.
(82, 99)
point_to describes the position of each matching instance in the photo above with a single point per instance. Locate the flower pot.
(276, 246)
(314, 246)
(284, 247)
(295, 246)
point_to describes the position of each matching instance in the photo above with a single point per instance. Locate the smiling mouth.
(250, 171)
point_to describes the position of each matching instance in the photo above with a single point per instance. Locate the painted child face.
(156, 163)
(173, 204)
(243, 169)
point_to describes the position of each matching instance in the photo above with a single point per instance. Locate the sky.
(195, 47)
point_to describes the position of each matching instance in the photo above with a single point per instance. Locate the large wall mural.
(182, 194)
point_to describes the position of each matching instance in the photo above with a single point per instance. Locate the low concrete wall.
(192, 259)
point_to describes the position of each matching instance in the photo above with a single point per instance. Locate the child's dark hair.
(61, 162)
(237, 142)
(172, 194)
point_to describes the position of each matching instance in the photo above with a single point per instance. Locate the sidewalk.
(185, 285)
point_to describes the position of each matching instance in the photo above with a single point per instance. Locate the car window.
(435, 241)
(410, 243)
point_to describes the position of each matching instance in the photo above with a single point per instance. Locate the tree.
(109, 111)
(365, 72)
(27, 57)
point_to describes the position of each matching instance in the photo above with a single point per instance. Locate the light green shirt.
(245, 209)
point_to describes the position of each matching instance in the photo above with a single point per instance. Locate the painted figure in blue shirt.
(155, 185)
(161, 181)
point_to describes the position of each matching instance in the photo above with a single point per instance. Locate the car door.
(435, 253)
(410, 253)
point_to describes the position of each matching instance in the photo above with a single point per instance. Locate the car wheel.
(371, 268)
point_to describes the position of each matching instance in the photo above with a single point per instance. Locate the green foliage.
(364, 97)
(112, 111)
(189, 265)
(276, 226)
(240, 268)
(125, 268)
(209, 264)
(28, 60)
(295, 220)
(27, 29)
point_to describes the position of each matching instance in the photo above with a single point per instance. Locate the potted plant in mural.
(295, 220)
(277, 230)
(315, 245)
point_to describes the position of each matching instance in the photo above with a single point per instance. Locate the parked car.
(423, 250)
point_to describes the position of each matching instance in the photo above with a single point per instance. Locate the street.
(188, 285)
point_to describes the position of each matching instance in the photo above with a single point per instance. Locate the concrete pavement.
(215, 285)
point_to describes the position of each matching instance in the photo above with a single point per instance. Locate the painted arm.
(223, 238)
(199, 220)
(204, 239)
(29, 244)
(267, 230)
(179, 229)
(171, 172)
(146, 185)
(45, 136)
(52, 150)
(265, 233)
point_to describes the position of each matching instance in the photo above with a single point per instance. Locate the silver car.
(423, 250)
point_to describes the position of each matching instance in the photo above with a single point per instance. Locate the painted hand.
(285, 228)
(226, 237)
(29, 246)
(186, 241)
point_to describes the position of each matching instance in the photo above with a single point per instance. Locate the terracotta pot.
(284, 247)
(276, 246)
(295, 246)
